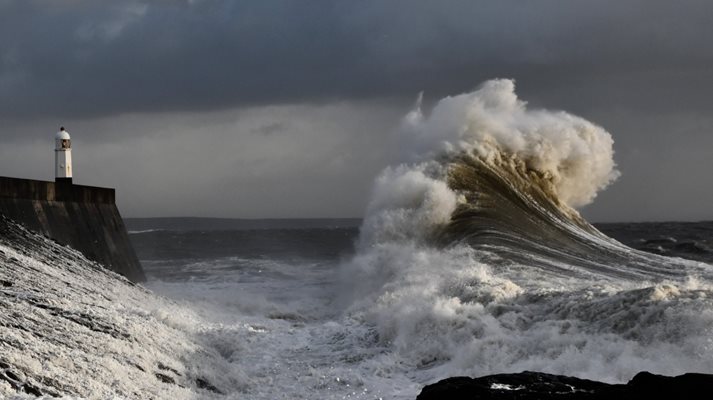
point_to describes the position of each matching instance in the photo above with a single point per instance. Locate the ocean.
(277, 296)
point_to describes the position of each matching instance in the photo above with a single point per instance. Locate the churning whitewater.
(471, 260)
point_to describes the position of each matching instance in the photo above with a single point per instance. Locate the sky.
(279, 108)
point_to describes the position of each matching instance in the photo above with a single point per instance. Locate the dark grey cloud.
(84, 58)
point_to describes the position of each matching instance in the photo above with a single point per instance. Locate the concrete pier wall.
(82, 217)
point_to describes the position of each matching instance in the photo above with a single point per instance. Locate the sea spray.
(407, 203)
(472, 259)
(491, 122)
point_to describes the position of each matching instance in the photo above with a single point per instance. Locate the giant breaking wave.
(473, 260)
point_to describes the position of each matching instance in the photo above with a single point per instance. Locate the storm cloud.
(123, 56)
(211, 75)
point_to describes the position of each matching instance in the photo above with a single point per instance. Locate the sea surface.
(279, 296)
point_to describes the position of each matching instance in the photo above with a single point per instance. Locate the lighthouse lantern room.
(63, 156)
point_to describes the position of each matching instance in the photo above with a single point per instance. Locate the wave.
(138, 232)
(472, 258)
(518, 211)
(491, 173)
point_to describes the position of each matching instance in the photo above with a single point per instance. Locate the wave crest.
(487, 171)
(575, 155)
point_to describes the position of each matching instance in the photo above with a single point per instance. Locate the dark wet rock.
(12, 376)
(4, 376)
(19, 384)
(535, 386)
(167, 368)
(139, 367)
(31, 389)
(204, 384)
(164, 378)
(686, 386)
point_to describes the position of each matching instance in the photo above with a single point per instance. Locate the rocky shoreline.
(540, 386)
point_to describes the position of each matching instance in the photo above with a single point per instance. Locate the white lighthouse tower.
(63, 156)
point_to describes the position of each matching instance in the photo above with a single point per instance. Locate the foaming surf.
(473, 260)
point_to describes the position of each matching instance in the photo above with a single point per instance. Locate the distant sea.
(692, 240)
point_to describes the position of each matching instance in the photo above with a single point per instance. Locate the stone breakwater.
(83, 217)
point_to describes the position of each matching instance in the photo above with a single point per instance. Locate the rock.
(165, 378)
(686, 386)
(204, 384)
(167, 368)
(536, 385)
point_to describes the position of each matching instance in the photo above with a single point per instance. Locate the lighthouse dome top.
(62, 134)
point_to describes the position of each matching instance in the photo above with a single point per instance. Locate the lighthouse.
(63, 157)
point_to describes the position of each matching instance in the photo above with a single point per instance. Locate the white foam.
(408, 202)
(442, 313)
(574, 153)
(138, 232)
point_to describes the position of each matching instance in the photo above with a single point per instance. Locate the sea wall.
(82, 217)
